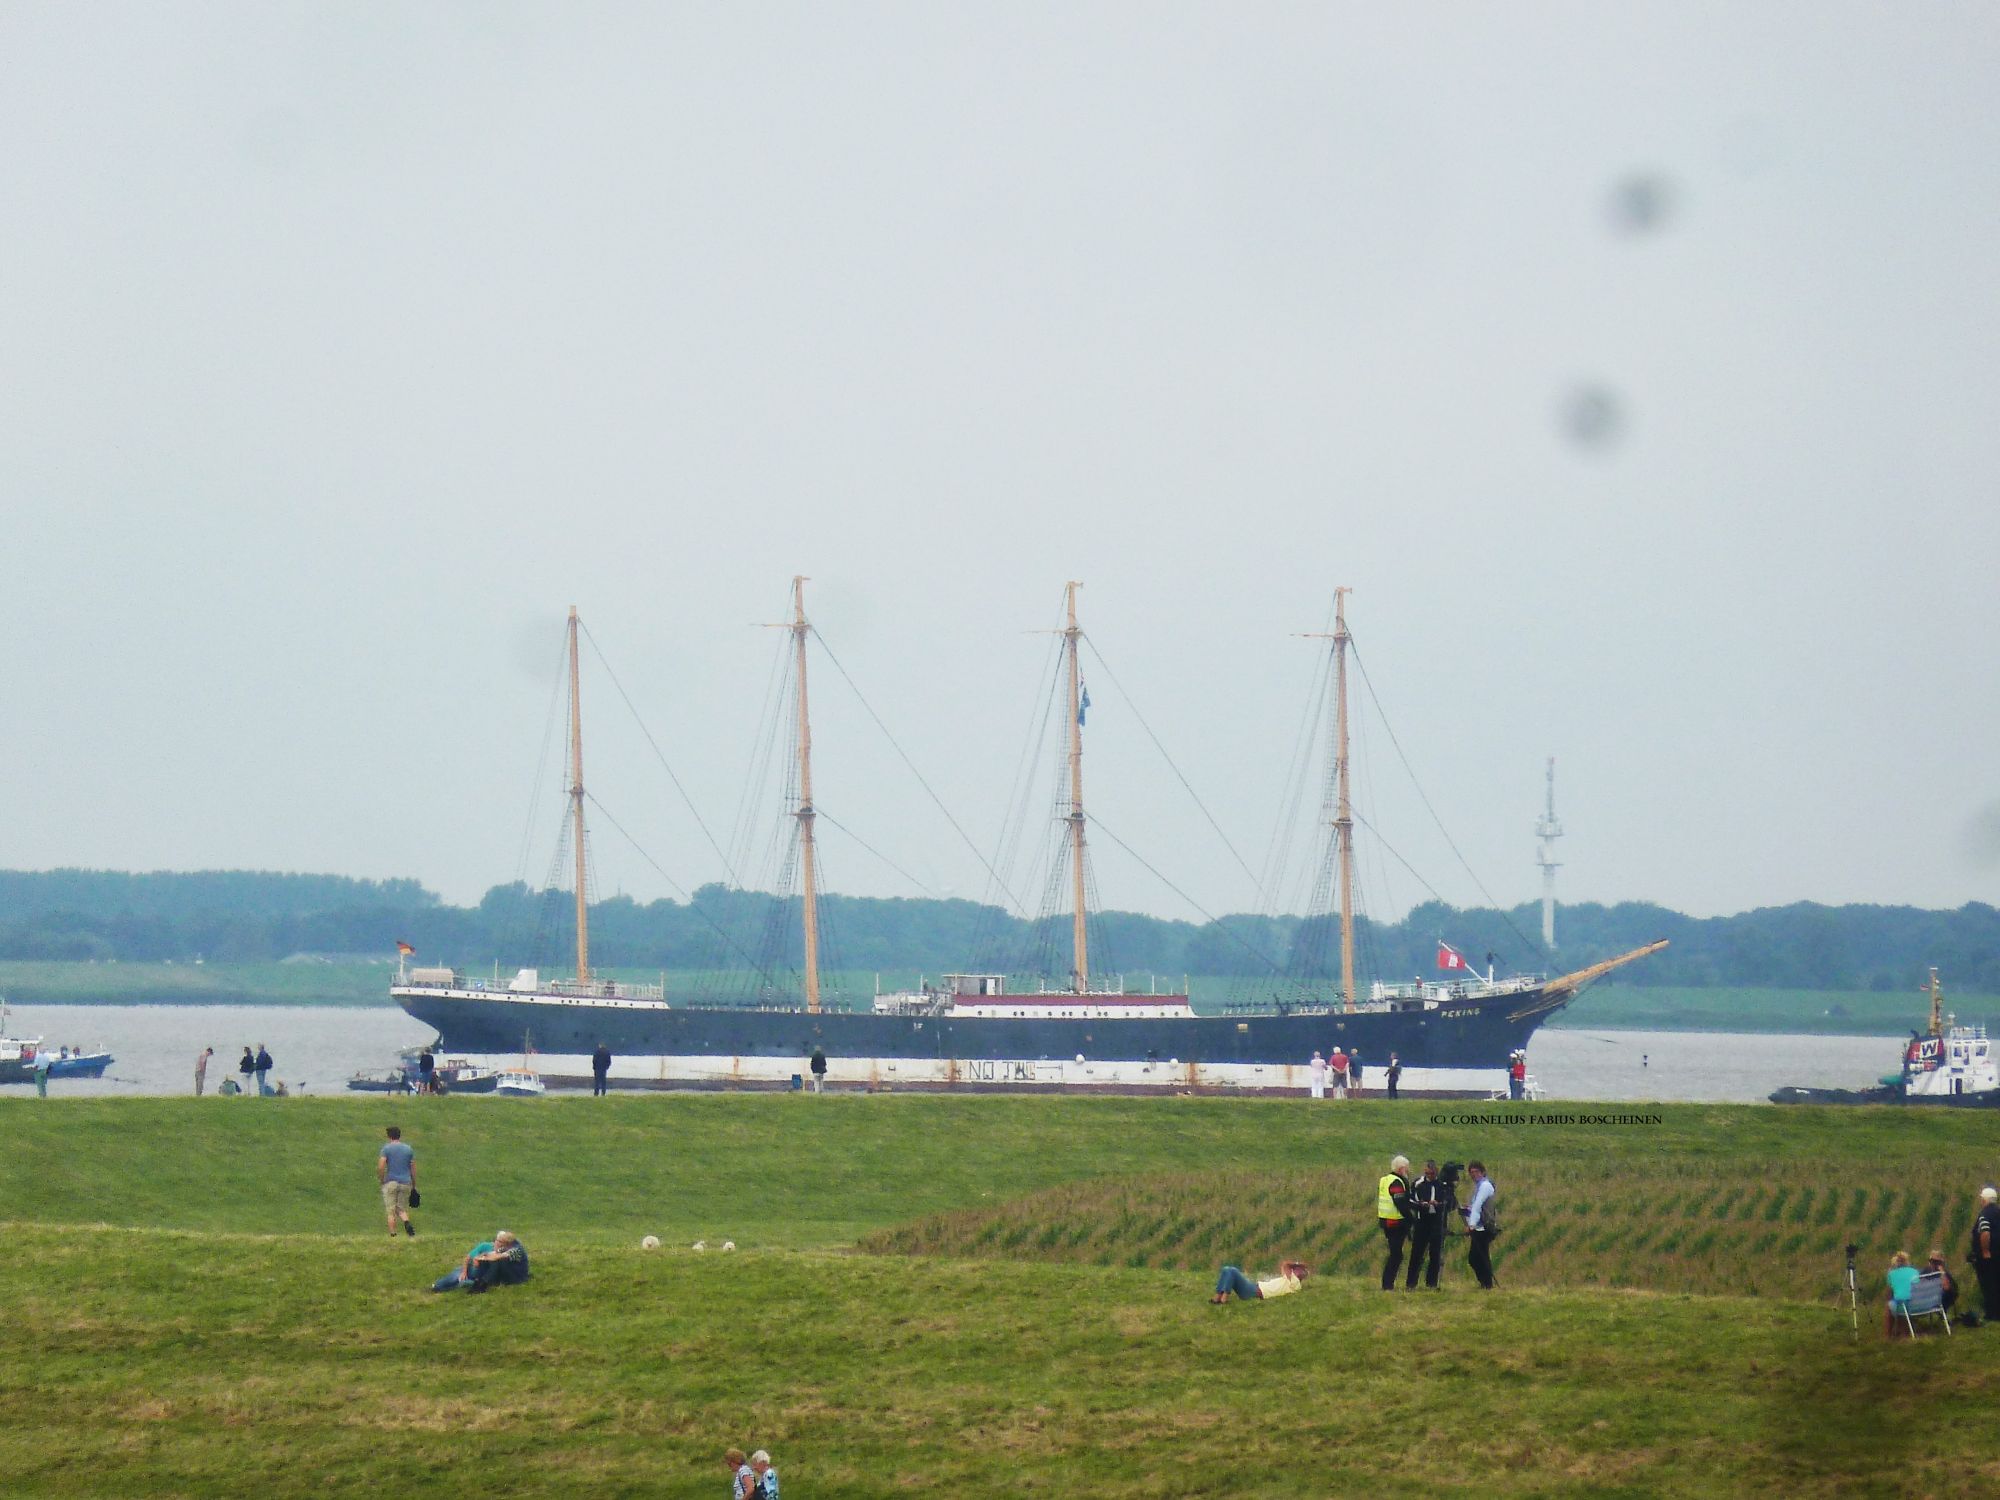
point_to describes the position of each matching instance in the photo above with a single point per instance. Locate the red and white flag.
(1449, 957)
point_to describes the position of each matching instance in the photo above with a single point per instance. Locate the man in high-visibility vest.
(1392, 1198)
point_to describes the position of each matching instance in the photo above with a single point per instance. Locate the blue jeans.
(452, 1281)
(1234, 1281)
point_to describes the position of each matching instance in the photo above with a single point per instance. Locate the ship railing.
(590, 989)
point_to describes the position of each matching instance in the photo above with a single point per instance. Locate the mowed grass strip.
(140, 1364)
(1618, 1227)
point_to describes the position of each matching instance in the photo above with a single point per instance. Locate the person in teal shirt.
(1902, 1281)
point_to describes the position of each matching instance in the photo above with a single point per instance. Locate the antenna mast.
(1080, 974)
(1343, 814)
(1937, 1004)
(576, 807)
(1548, 830)
(799, 627)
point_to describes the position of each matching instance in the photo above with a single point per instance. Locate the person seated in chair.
(502, 1260)
(1936, 1267)
(1902, 1281)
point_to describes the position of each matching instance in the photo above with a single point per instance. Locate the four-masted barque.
(975, 1031)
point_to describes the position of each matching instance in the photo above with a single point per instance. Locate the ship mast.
(1343, 815)
(1937, 1004)
(1548, 830)
(1080, 938)
(576, 807)
(799, 627)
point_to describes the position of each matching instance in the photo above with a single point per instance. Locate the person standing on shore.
(201, 1070)
(1480, 1225)
(247, 1067)
(600, 1069)
(818, 1070)
(1338, 1063)
(41, 1074)
(427, 1066)
(1316, 1071)
(1986, 1252)
(263, 1067)
(396, 1171)
(1395, 1071)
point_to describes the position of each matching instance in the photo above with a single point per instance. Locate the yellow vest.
(1385, 1206)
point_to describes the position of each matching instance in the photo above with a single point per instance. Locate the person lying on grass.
(502, 1259)
(1291, 1276)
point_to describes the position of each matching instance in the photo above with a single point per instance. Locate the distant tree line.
(248, 916)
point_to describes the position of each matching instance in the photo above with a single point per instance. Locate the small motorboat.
(454, 1075)
(522, 1082)
(74, 1062)
(519, 1083)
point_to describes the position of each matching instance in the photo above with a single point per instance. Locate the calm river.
(318, 1048)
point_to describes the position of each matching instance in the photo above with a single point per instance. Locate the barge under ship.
(971, 1031)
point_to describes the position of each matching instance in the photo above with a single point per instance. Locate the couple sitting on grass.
(502, 1260)
(1232, 1282)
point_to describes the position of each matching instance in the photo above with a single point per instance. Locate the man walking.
(1392, 1196)
(818, 1070)
(1481, 1224)
(1430, 1200)
(396, 1170)
(600, 1069)
(1986, 1252)
(201, 1070)
(263, 1067)
(1395, 1071)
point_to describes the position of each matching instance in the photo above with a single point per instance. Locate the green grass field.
(1608, 1007)
(984, 1296)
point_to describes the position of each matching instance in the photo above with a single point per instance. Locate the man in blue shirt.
(396, 1170)
(1479, 1225)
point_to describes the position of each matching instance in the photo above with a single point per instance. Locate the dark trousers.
(1426, 1240)
(1393, 1080)
(1395, 1231)
(1989, 1288)
(597, 1086)
(1480, 1256)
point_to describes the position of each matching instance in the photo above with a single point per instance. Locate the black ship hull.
(1455, 1044)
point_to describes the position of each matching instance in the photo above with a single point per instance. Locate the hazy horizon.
(1630, 366)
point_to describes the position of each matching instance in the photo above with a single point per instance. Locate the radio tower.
(1548, 830)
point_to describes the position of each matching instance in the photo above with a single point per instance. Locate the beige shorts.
(396, 1197)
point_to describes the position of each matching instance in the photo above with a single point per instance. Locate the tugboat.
(1953, 1066)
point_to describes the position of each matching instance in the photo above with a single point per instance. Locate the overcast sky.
(1636, 367)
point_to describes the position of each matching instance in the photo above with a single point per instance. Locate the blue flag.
(1083, 706)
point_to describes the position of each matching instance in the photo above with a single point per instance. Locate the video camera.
(1448, 1173)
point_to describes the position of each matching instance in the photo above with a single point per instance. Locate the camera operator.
(1431, 1198)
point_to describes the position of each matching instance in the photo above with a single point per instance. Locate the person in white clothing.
(1317, 1070)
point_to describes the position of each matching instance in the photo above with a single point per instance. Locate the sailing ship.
(1950, 1065)
(974, 1030)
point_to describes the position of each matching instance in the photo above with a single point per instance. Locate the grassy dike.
(983, 1296)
